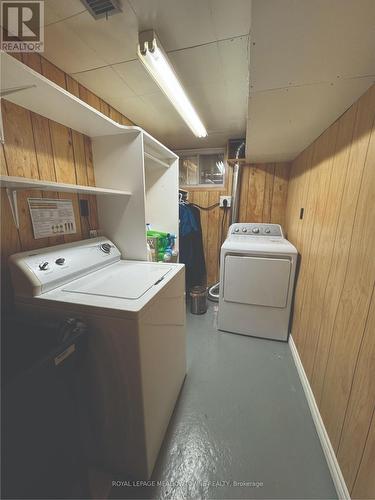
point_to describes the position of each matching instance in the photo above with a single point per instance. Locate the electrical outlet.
(229, 201)
(93, 233)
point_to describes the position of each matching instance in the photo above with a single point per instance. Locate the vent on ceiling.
(101, 8)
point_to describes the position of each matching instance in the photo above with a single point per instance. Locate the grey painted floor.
(241, 416)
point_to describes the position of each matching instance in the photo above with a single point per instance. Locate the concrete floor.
(241, 417)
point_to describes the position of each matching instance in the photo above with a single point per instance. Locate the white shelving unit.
(120, 162)
(127, 161)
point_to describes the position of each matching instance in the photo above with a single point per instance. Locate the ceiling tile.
(221, 112)
(137, 110)
(106, 83)
(114, 40)
(282, 123)
(56, 10)
(179, 23)
(163, 126)
(68, 51)
(223, 99)
(234, 57)
(197, 65)
(212, 103)
(166, 125)
(136, 77)
(163, 109)
(298, 42)
(230, 18)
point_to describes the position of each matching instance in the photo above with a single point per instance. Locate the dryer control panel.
(255, 229)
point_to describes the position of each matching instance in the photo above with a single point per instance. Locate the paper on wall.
(51, 217)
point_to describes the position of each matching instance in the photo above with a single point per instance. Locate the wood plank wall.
(39, 148)
(263, 196)
(334, 316)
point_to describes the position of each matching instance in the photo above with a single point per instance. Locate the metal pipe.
(235, 183)
(235, 192)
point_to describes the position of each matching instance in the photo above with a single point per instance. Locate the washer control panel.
(48, 268)
(254, 229)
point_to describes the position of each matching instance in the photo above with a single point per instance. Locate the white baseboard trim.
(333, 465)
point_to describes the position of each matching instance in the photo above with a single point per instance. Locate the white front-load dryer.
(257, 273)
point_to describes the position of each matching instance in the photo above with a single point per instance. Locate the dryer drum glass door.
(257, 280)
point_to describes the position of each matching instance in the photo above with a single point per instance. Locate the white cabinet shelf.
(153, 161)
(14, 184)
(22, 183)
(31, 90)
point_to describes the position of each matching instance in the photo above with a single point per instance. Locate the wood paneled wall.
(263, 196)
(39, 148)
(334, 315)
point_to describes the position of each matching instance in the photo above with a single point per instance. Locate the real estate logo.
(22, 26)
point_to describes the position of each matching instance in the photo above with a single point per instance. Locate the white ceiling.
(206, 40)
(309, 60)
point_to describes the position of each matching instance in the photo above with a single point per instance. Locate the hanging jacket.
(188, 222)
(191, 246)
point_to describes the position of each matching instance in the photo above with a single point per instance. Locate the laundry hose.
(213, 292)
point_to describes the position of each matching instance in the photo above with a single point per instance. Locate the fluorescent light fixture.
(154, 59)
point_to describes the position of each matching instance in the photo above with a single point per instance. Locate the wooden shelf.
(14, 184)
(27, 88)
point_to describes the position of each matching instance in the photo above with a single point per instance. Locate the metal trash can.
(198, 300)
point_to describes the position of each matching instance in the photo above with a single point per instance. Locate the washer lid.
(123, 280)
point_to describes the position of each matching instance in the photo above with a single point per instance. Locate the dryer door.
(257, 280)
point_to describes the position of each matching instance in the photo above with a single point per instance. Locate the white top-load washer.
(136, 317)
(257, 272)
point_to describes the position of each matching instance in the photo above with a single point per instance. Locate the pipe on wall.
(235, 184)
(235, 192)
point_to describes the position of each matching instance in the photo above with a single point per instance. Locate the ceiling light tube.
(154, 59)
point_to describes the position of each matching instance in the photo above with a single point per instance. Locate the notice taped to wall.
(51, 217)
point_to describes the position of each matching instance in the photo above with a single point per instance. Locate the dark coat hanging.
(191, 245)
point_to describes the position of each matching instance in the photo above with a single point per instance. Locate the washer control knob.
(255, 230)
(60, 261)
(43, 266)
(267, 230)
(105, 247)
(236, 230)
(244, 230)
